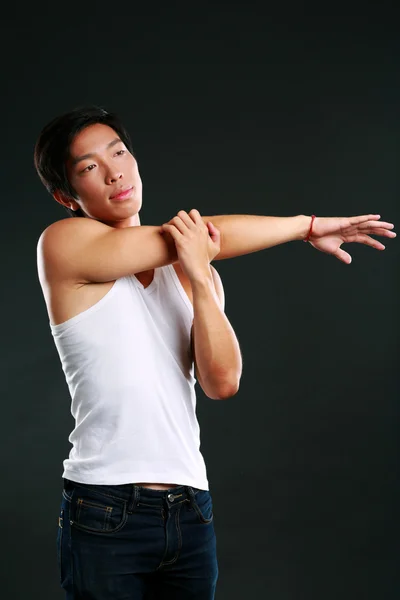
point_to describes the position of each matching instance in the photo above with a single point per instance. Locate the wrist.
(202, 281)
(302, 226)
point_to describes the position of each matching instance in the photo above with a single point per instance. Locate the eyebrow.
(78, 159)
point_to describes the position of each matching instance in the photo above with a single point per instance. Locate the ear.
(65, 201)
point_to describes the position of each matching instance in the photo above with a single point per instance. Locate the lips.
(123, 193)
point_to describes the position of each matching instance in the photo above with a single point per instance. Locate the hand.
(329, 233)
(196, 243)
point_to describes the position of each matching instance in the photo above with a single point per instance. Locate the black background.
(232, 109)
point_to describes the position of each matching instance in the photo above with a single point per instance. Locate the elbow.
(226, 388)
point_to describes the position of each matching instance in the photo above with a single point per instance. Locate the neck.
(132, 221)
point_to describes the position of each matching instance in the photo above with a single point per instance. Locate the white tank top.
(130, 373)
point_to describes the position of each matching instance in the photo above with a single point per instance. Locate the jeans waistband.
(134, 494)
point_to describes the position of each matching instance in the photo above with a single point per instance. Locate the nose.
(113, 175)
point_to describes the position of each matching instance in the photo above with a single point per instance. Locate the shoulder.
(61, 239)
(69, 226)
(63, 232)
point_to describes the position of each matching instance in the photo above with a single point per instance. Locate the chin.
(136, 206)
(129, 211)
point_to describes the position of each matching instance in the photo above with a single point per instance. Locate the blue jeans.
(127, 542)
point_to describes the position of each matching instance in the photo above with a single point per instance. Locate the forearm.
(216, 348)
(244, 234)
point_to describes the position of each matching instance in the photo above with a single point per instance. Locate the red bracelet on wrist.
(311, 226)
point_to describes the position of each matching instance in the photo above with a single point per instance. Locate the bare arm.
(87, 250)
(215, 347)
(244, 234)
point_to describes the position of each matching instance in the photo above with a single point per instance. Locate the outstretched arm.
(244, 234)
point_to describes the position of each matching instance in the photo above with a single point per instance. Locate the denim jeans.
(127, 542)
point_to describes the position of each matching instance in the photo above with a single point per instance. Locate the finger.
(382, 232)
(180, 224)
(196, 216)
(176, 234)
(189, 222)
(363, 218)
(369, 241)
(214, 232)
(212, 228)
(381, 224)
(343, 256)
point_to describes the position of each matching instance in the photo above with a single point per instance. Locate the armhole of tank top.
(180, 289)
(65, 325)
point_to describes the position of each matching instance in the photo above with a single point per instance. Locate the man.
(137, 315)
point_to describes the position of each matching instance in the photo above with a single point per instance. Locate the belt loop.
(191, 494)
(134, 499)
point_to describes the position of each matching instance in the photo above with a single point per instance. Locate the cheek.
(132, 164)
(89, 187)
(136, 175)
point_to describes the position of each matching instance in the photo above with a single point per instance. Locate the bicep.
(88, 250)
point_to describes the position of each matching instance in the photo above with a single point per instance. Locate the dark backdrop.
(231, 110)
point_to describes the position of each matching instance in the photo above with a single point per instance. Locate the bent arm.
(215, 346)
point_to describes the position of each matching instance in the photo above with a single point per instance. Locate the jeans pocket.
(97, 512)
(203, 506)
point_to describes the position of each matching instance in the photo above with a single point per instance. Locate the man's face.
(100, 167)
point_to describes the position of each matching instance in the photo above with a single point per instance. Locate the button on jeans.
(127, 542)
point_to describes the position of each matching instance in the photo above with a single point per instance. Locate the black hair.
(53, 146)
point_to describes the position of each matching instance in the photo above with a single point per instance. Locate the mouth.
(122, 194)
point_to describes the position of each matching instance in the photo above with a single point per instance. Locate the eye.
(120, 152)
(89, 168)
